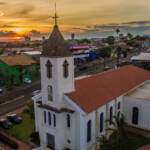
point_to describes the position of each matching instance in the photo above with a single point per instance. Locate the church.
(70, 113)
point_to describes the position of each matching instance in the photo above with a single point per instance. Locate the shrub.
(8, 141)
(35, 138)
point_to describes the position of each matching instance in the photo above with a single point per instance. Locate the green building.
(13, 69)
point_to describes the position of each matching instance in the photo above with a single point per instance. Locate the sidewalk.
(21, 145)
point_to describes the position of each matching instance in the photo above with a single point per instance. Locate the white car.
(28, 81)
(36, 92)
(1, 90)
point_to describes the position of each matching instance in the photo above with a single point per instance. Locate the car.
(14, 118)
(36, 92)
(1, 90)
(6, 124)
(28, 81)
(107, 68)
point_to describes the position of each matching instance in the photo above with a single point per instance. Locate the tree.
(118, 130)
(119, 50)
(130, 36)
(30, 108)
(110, 40)
(103, 142)
(21, 73)
(118, 31)
(105, 53)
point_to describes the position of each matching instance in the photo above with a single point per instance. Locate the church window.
(50, 93)
(49, 69)
(65, 69)
(135, 115)
(68, 120)
(49, 118)
(54, 120)
(111, 115)
(101, 122)
(45, 117)
(118, 105)
(89, 130)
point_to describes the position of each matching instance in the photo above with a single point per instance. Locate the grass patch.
(24, 130)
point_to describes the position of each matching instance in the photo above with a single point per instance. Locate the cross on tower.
(55, 16)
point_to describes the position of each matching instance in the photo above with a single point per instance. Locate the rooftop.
(97, 90)
(16, 60)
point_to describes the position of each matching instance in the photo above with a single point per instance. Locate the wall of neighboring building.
(144, 110)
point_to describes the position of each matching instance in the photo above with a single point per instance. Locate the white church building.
(70, 113)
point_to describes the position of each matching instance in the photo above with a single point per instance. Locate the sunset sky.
(87, 18)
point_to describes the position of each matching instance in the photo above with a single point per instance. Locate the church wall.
(144, 111)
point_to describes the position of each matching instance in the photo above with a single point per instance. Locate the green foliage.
(8, 141)
(130, 36)
(110, 40)
(35, 138)
(30, 108)
(121, 139)
(105, 51)
(2, 50)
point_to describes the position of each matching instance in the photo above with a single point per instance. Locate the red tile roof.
(95, 91)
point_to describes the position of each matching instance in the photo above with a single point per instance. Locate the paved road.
(17, 98)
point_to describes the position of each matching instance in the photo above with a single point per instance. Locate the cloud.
(35, 33)
(137, 22)
(2, 3)
(7, 34)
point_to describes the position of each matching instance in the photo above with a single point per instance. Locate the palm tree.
(105, 53)
(118, 31)
(103, 142)
(118, 130)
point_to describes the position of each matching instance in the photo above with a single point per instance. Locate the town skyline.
(97, 19)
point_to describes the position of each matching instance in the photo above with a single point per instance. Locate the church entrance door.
(50, 141)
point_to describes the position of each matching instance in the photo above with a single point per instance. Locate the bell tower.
(57, 68)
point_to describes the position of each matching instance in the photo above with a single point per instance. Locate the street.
(17, 98)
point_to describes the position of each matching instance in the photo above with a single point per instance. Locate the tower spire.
(55, 15)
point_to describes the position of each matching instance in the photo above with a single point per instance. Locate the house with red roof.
(71, 113)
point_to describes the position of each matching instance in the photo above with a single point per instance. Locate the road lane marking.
(13, 100)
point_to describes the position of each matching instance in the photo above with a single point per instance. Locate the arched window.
(101, 122)
(135, 115)
(65, 69)
(54, 120)
(89, 130)
(49, 118)
(49, 69)
(50, 93)
(111, 115)
(118, 105)
(45, 117)
(68, 120)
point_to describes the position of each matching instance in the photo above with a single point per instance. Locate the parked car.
(6, 124)
(107, 68)
(26, 80)
(1, 90)
(36, 92)
(14, 118)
